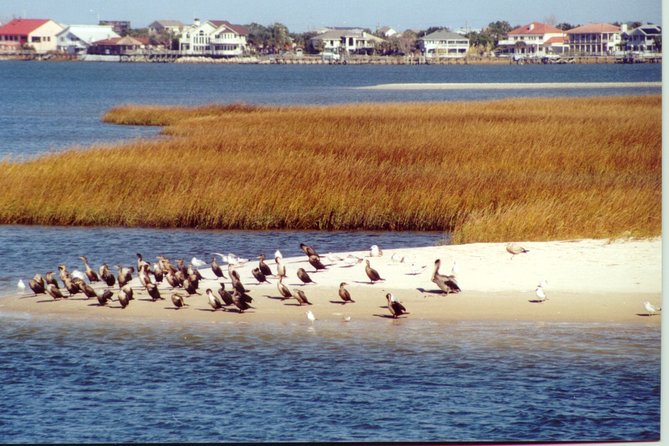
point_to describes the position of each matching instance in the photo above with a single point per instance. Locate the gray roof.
(443, 35)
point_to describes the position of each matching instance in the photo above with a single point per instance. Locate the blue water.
(390, 380)
(51, 106)
(400, 380)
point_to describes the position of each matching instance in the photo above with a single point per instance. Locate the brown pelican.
(225, 295)
(54, 292)
(172, 280)
(152, 289)
(213, 300)
(193, 271)
(372, 273)
(301, 297)
(87, 290)
(514, 248)
(92, 275)
(283, 289)
(240, 302)
(71, 286)
(191, 286)
(280, 267)
(303, 276)
(181, 266)
(104, 297)
(50, 278)
(124, 275)
(264, 267)
(125, 296)
(394, 306)
(260, 277)
(143, 274)
(316, 262)
(344, 294)
(158, 273)
(106, 275)
(216, 268)
(37, 284)
(63, 272)
(178, 301)
(308, 250)
(446, 283)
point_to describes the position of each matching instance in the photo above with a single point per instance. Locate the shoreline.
(587, 281)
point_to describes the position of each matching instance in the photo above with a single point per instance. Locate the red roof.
(535, 28)
(595, 28)
(556, 39)
(21, 27)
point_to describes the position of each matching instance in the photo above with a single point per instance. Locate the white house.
(213, 38)
(386, 31)
(443, 44)
(38, 34)
(645, 38)
(76, 39)
(594, 39)
(346, 40)
(535, 39)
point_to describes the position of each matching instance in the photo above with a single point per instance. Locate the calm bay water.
(84, 381)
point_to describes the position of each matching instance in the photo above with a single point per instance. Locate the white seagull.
(277, 254)
(375, 251)
(310, 316)
(539, 291)
(197, 262)
(21, 286)
(650, 308)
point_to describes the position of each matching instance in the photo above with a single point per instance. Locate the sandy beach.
(585, 281)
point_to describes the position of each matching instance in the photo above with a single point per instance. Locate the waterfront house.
(386, 31)
(171, 27)
(645, 38)
(116, 46)
(346, 41)
(25, 34)
(535, 39)
(76, 39)
(214, 38)
(443, 44)
(594, 39)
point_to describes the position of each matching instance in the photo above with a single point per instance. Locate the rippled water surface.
(358, 381)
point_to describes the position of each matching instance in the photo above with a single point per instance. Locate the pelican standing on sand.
(372, 273)
(283, 290)
(447, 284)
(225, 295)
(514, 249)
(178, 301)
(105, 297)
(301, 298)
(315, 261)
(303, 276)
(280, 267)
(92, 275)
(216, 268)
(240, 301)
(260, 277)
(37, 284)
(395, 306)
(264, 267)
(54, 292)
(308, 250)
(344, 294)
(214, 302)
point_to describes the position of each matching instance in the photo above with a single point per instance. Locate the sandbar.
(586, 281)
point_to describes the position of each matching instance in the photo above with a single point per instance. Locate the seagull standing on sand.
(539, 291)
(280, 267)
(514, 249)
(310, 316)
(375, 251)
(21, 285)
(650, 308)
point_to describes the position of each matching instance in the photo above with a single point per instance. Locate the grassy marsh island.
(523, 169)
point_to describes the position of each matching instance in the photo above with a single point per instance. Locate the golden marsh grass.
(523, 169)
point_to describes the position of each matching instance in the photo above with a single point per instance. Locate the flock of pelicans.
(184, 281)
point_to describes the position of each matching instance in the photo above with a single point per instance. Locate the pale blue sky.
(304, 15)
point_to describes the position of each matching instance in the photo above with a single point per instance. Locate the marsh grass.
(524, 169)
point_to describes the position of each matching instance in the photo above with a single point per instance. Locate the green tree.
(498, 30)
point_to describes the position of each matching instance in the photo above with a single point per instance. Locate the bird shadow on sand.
(647, 314)
(536, 301)
(340, 302)
(387, 316)
(48, 300)
(174, 308)
(276, 297)
(423, 290)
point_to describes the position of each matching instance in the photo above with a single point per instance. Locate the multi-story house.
(644, 38)
(594, 39)
(534, 39)
(171, 27)
(443, 44)
(77, 39)
(345, 40)
(37, 34)
(213, 38)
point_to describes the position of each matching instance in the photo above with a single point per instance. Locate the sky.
(306, 15)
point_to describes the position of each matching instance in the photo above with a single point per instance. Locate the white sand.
(510, 85)
(587, 280)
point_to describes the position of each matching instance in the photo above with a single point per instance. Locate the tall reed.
(525, 169)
